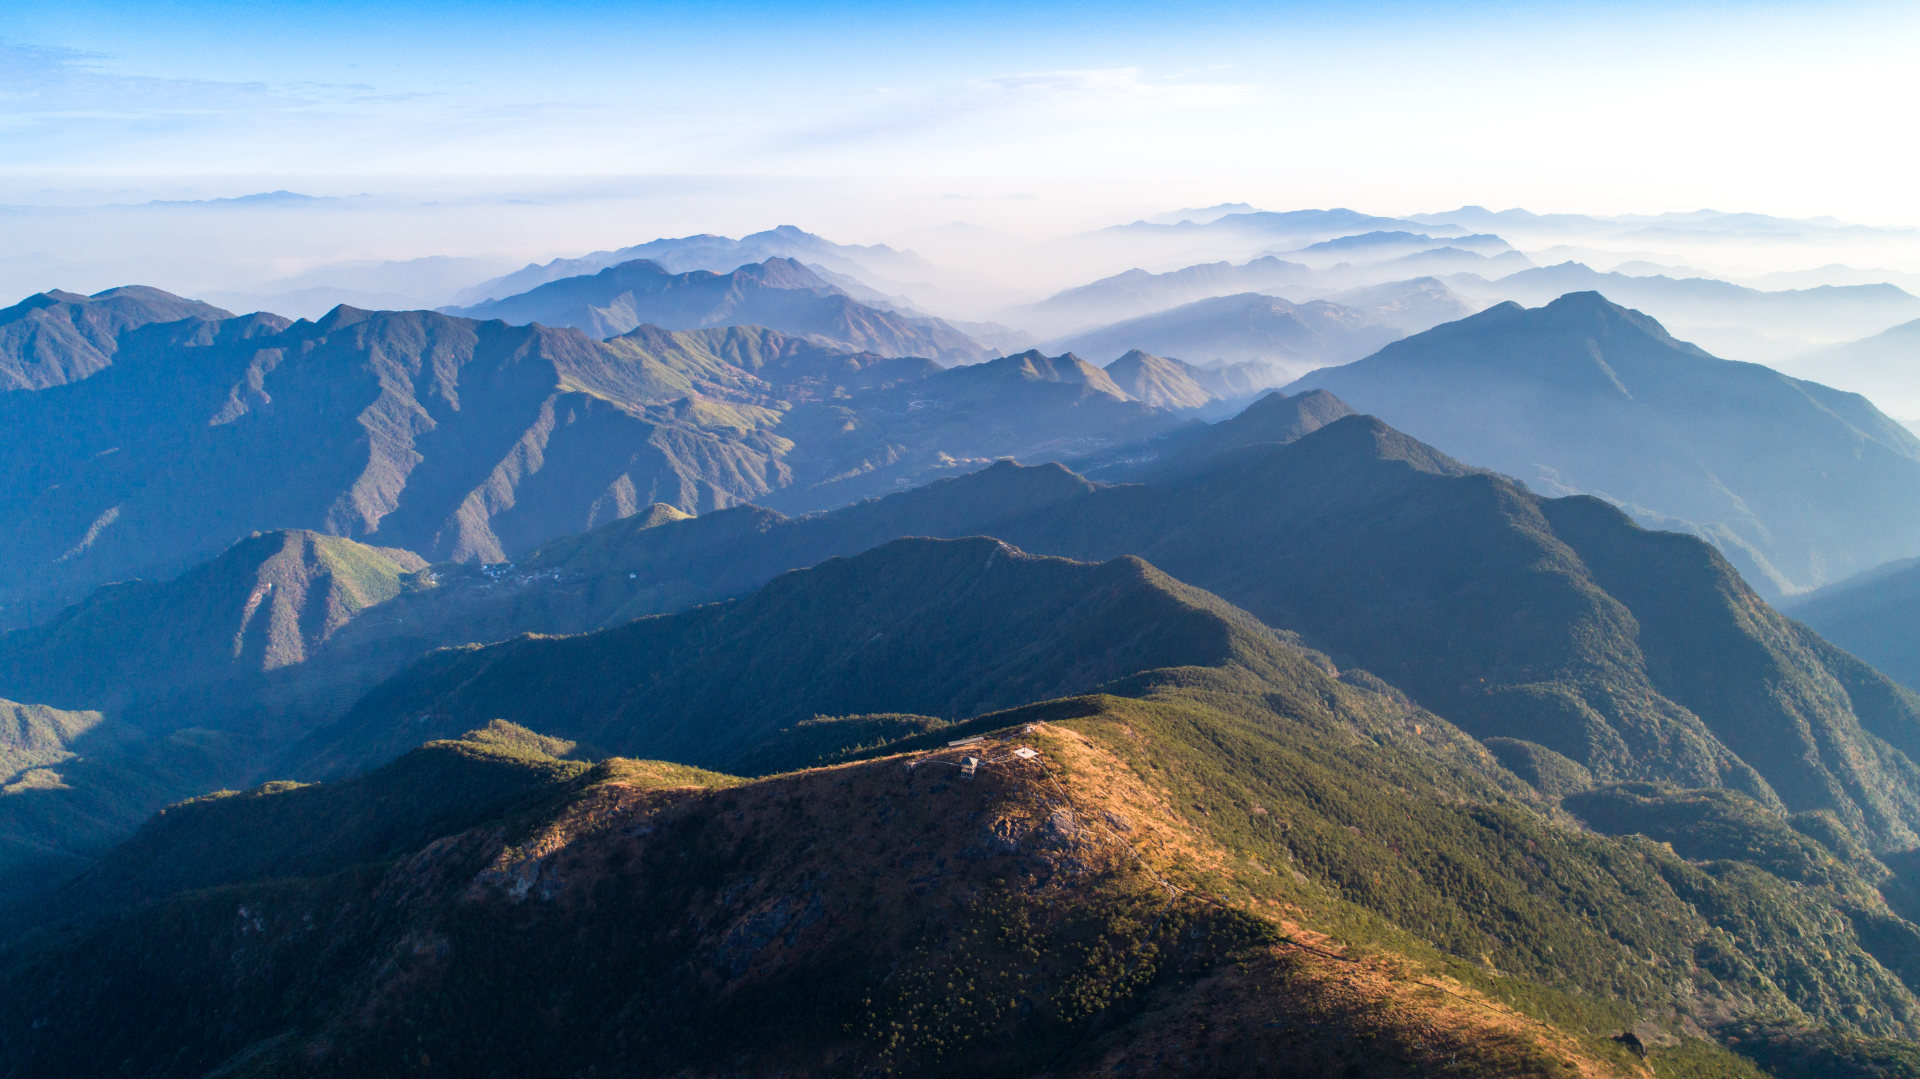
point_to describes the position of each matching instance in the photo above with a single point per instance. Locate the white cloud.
(974, 116)
(40, 84)
(1120, 90)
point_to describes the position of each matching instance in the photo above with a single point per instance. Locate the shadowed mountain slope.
(53, 338)
(1799, 484)
(184, 685)
(779, 293)
(1273, 419)
(945, 628)
(1875, 615)
(1637, 655)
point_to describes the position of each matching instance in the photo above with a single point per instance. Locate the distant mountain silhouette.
(1799, 484)
(718, 254)
(1290, 223)
(1727, 318)
(1884, 367)
(1201, 214)
(1413, 305)
(1382, 245)
(1137, 292)
(1689, 223)
(1244, 328)
(1447, 261)
(53, 338)
(402, 285)
(780, 294)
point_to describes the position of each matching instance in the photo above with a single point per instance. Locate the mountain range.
(1386, 245)
(1801, 485)
(677, 664)
(1138, 292)
(1604, 682)
(1601, 699)
(780, 294)
(429, 431)
(1207, 839)
(1732, 319)
(477, 441)
(1884, 367)
(53, 338)
(1245, 328)
(716, 254)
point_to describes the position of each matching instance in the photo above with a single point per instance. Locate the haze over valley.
(808, 541)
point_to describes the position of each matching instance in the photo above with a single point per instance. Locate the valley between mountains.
(698, 659)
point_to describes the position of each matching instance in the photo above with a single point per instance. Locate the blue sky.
(1787, 108)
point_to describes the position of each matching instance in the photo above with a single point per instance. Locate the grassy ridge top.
(1327, 876)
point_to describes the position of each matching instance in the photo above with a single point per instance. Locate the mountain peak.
(341, 317)
(778, 292)
(56, 337)
(782, 272)
(1584, 395)
(1357, 437)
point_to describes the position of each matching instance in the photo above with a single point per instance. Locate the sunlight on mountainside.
(703, 541)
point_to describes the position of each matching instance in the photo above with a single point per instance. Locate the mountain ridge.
(1583, 395)
(53, 338)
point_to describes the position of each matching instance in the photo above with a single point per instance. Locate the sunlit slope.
(1328, 879)
(158, 650)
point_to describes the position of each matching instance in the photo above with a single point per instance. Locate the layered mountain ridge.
(1210, 839)
(658, 693)
(53, 338)
(779, 293)
(476, 441)
(1800, 484)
